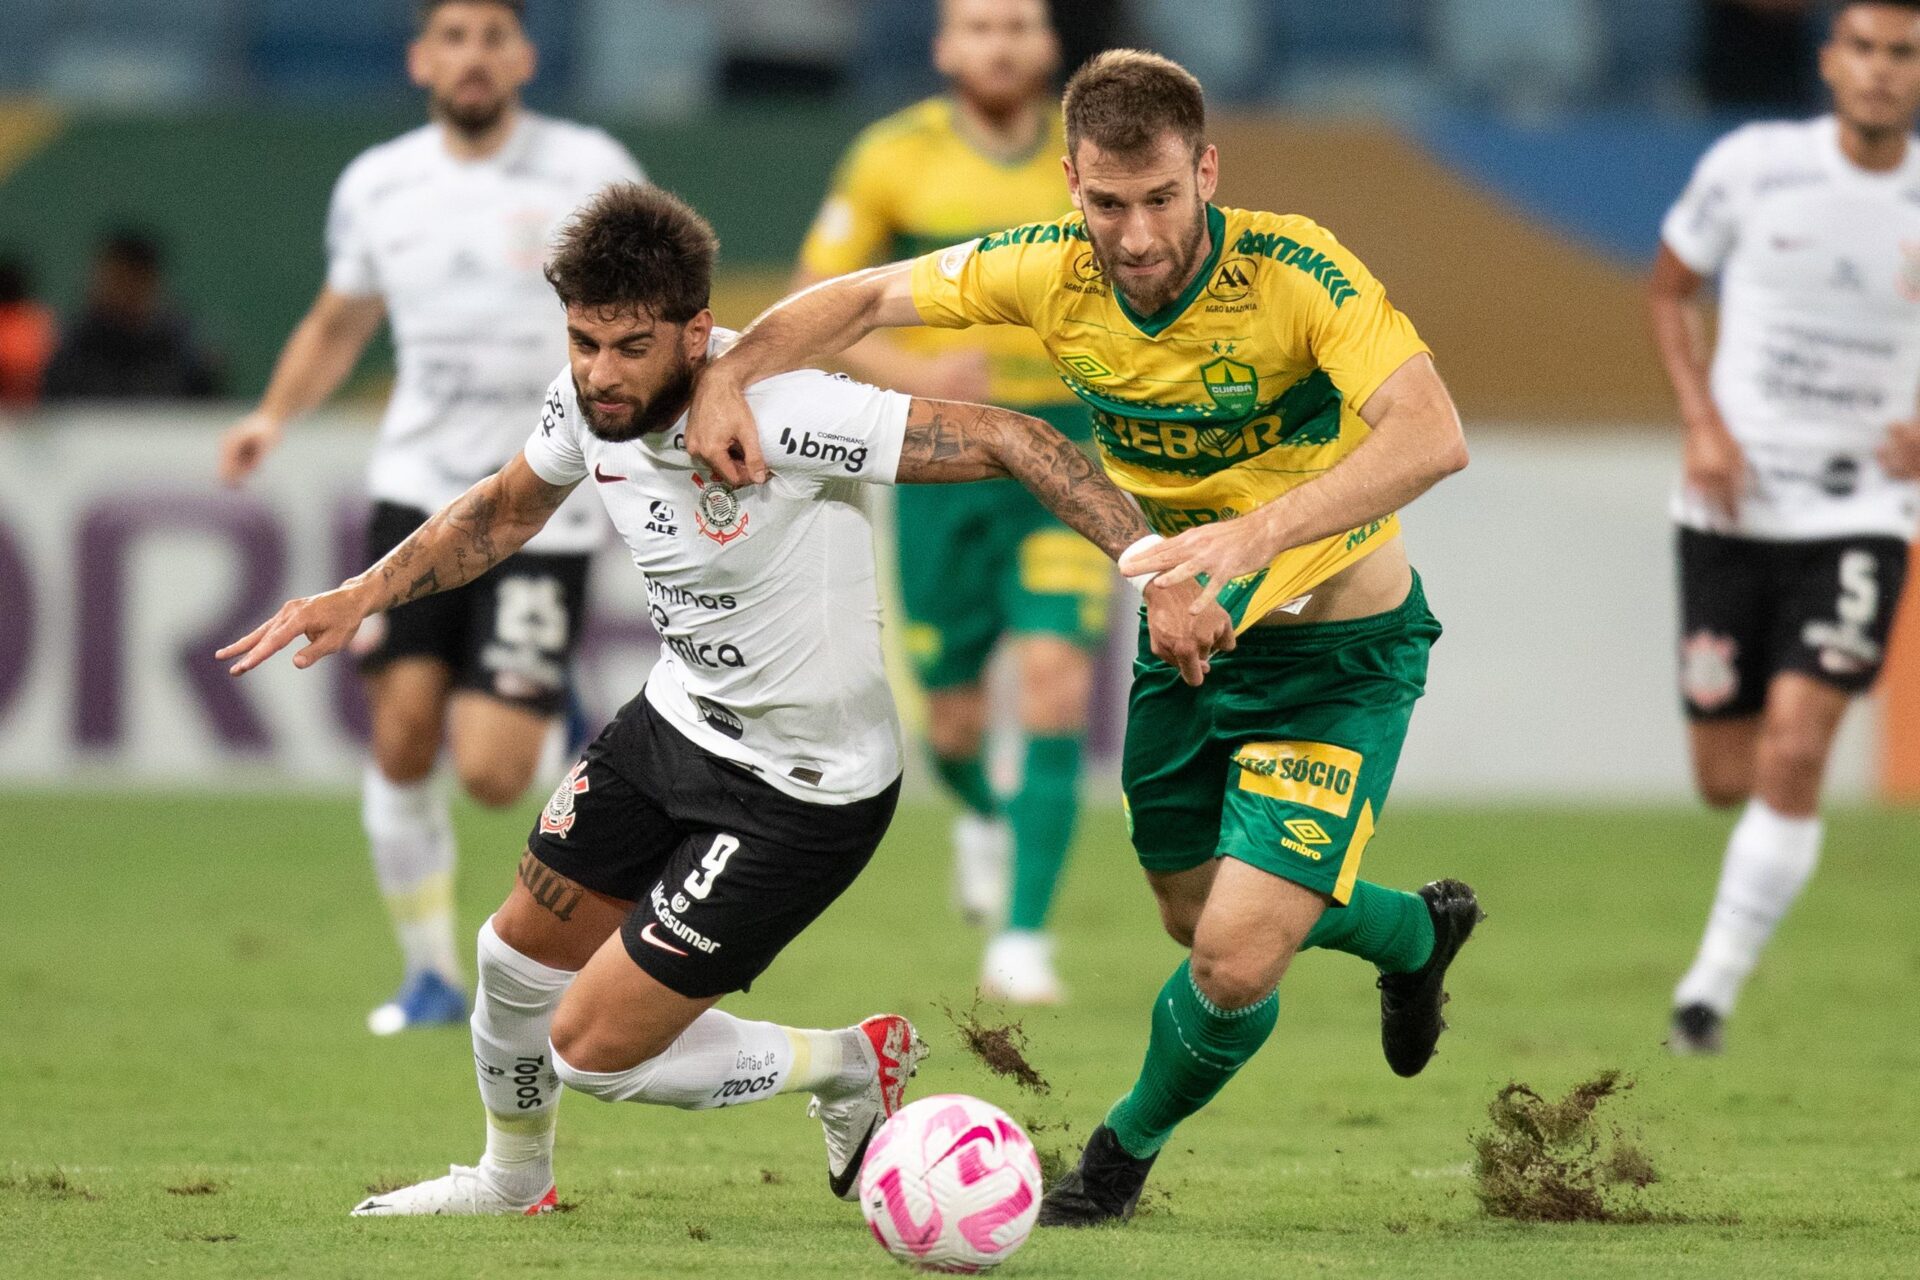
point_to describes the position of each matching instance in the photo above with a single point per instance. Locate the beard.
(1184, 258)
(472, 119)
(648, 416)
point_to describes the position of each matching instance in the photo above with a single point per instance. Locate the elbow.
(1452, 457)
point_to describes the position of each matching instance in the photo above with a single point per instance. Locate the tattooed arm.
(474, 532)
(948, 441)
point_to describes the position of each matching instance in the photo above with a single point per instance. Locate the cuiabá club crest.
(1235, 387)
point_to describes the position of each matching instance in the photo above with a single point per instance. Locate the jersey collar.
(1159, 320)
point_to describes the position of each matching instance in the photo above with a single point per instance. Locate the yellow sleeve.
(855, 223)
(993, 280)
(1352, 331)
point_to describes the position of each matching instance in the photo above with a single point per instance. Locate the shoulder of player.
(1321, 263)
(924, 122)
(384, 161)
(1063, 237)
(560, 410)
(1764, 146)
(584, 139)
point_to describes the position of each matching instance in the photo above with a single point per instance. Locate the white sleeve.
(1704, 223)
(350, 265)
(553, 450)
(619, 166)
(826, 426)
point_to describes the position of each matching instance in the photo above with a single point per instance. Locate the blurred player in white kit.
(443, 231)
(1802, 455)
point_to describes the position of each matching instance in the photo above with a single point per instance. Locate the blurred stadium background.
(1503, 168)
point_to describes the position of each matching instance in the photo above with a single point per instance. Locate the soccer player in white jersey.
(739, 795)
(1801, 458)
(443, 231)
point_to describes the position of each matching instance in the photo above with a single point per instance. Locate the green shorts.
(1283, 758)
(984, 559)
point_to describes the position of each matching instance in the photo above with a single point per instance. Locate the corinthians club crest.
(719, 515)
(558, 817)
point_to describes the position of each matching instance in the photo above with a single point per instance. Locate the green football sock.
(1194, 1049)
(1387, 926)
(1043, 815)
(966, 777)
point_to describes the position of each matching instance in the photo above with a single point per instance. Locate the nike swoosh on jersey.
(603, 477)
(646, 935)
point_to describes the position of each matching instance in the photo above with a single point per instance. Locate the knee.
(494, 784)
(405, 756)
(956, 722)
(1178, 917)
(583, 1056)
(1231, 979)
(1723, 783)
(1056, 683)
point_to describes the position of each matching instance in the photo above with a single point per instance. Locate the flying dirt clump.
(1552, 1162)
(1001, 1047)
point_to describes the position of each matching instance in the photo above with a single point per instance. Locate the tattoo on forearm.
(459, 544)
(552, 891)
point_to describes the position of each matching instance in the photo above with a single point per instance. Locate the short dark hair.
(635, 246)
(425, 9)
(1124, 99)
(133, 248)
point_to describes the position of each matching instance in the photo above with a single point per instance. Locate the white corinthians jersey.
(455, 249)
(1819, 347)
(765, 600)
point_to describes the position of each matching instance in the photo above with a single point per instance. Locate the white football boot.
(1019, 969)
(893, 1050)
(982, 857)
(466, 1192)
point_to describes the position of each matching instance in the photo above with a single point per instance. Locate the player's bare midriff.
(1374, 585)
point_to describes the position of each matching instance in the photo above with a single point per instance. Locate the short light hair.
(1124, 99)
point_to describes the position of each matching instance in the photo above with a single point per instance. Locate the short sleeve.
(1354, 334)
(855, 223)
(1704, 223)
(350, 264)
(987, 281)
(553, 450)
(826, 426)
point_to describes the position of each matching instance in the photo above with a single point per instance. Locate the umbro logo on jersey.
(603, 477)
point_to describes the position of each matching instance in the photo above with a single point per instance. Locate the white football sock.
(722, 1061)
(411, 834)
(513, 1003)
(1770, 857)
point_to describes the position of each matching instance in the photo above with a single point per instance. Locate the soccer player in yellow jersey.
(989, 562)
(1271, 410)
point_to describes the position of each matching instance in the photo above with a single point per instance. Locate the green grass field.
(188, 1089)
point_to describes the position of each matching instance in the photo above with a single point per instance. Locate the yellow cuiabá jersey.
(1245, 386)
(912, 183)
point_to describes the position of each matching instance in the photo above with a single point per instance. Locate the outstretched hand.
(327, 620)
(1223, 551)
(722, 435)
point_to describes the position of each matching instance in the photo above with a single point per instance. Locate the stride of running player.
(741, 793)
(1802, 452)
(442, 232)
(1252, 386)
(982, 563)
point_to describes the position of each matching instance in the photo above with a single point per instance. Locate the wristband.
(1139, 581)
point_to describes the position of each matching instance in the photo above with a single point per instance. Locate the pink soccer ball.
(951, 1183)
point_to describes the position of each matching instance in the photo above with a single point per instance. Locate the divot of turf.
(565, 1206)
(697, 1232)
(1550, 1162)
(770, 1178)
(52, 1185)
(1001, 1048)
(204, 1187)
(381, 1186)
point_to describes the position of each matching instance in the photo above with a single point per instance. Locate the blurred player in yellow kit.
(984, 561)
(1271, 410)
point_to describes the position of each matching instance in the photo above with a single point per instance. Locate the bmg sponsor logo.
(849, 454)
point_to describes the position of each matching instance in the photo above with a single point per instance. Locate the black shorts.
(723, 869)
(510, 633)
(1751, 609)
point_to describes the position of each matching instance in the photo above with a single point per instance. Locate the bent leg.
(1774, 847)
(409, 829)
(496, 746)
(1219, 1006)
